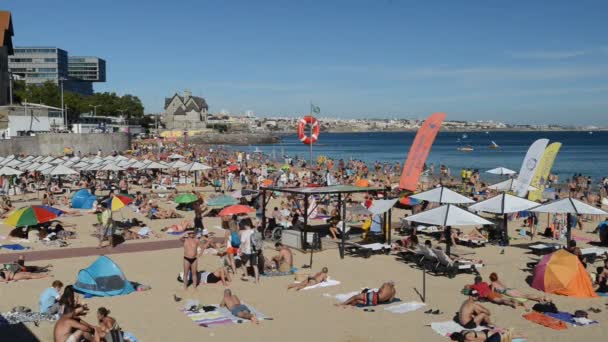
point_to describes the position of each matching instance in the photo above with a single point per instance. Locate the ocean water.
(581, 152)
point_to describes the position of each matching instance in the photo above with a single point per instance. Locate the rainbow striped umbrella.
(118, 202)
(33, 215)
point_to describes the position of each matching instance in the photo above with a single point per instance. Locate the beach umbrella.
(24, 165)
(111, 167)
(508, 186)
(59, 170)
(501, 171)
(118, 202)
(38, 158)
(562, 273)
(503, 204)
(195, 166)
(177, 164)
(185, 198)
(48, 159)
(155, 166)
(175, 156)
(358, 209)
(80, 165)
(43, 167)
(137, 165)
(236, 210)
(28, 158)
(409, 201)
(57, 161)
(569, 206)
(447, 216)
(33, 215)
(33, 166)
(442, 195)
(285, 167)
(9, 171)
(221, 201)
(13, 163)
(232, 168)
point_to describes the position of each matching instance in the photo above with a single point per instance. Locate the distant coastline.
(460, 130)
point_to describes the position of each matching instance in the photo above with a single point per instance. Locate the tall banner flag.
(420, 151)
(543, 171)
(529, 166)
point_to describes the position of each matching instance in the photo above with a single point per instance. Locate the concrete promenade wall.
(54, 143)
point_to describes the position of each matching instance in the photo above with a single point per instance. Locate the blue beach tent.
(104, 279)
(83, 199)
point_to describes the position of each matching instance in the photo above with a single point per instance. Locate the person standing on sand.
(107, 226)
(191, 254)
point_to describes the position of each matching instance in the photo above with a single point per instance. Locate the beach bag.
(545, 307)
(256, 241)
(235, 239)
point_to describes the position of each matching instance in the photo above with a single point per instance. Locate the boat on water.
(494, 146)
(257, 150)
(467, 148)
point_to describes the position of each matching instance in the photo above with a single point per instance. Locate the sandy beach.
(303, 316)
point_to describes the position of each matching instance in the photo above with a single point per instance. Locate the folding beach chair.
(367, 250)
(451, 267)
(471, 242)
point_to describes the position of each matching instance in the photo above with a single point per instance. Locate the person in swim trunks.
(233, 303)
(191, 254)
(284, 260)
(367, 297)
(485, 292)
(483, 336)
(497, 286)
(311, 280)
(472, 314)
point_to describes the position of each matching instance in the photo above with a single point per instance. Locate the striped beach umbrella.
(33, 215)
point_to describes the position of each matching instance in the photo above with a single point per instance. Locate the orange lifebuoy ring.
(308, 120)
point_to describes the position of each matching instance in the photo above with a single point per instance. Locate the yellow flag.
(543, 170)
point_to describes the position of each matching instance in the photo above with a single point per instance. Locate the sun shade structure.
(177, 164)
(508, 185)
(104, 279)
(118, 202)
(236, 210)
(59, 170)
(9, 171)
(176, 156)
(442, 195)
(381, 206)
(83, 199)
(562, 273)
(33, 215)
(111, 167)
(155, 166)
(185, 198)
(195, 167)
(306, 192)
(501, 171)
(503, 204)
(447, 216)
(569, 206)
(221, 201)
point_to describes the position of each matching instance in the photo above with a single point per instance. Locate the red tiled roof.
(6, 28)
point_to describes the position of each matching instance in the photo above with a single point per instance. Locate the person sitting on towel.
(485, 292)
(311, 280)
(367, 297)
(472, 314)
(233, 303)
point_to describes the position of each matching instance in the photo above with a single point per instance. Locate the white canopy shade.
(109, 157)
(96, 160)
(23, 165)
(448, 215)
(176, 156)
(382, 206)
(81, 165)
(28, 158)
(111, 167)
(93, 167)
(442, 195)
(13, 163)
(68, 163)
(137, 165)
(178, 164)
(155, 166)
(74, 159)
(508, 185)
(43, 167)
(503, 171)
(33, 166)
(125, 163)
(9, 171)
(59, 170)
(569, 206)
(38, 158)
(503, 204)
(195, 166)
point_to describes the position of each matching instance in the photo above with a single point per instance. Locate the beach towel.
(327, 283)
(569, 318)
(602, 294)
(221, 316)
(449, 327)
(279, 274)
(545, 320)
(8, 318)
(405, 307)
(14, 247)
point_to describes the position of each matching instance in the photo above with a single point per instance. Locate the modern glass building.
(87, 68)
(38, 65)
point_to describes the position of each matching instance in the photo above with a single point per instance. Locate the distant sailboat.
(467, 148)
(464, 136)
(494, 145)
(257, 150)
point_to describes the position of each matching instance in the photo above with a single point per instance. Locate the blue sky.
(515, 61)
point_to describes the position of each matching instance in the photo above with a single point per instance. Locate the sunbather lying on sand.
(484, 336)
(311, 280)
(498, 287)
(233, 303)
(485, 292)
(367, 297)
(141, 232)
(180, 227)
(7, 276)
